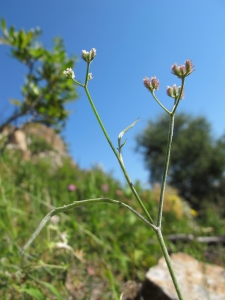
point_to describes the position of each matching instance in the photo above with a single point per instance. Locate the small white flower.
(69, 73)
(90, 76)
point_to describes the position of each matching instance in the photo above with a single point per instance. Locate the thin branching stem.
(168, 262)
(80, 203)
(178, 100)
(157, 100)
(165, 172)
(167, 160)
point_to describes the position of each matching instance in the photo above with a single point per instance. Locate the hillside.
(90, 252)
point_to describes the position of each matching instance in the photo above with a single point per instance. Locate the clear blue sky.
(133, 39)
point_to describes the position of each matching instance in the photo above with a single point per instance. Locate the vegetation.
(94, 247)
(197, 162)
(45, 92)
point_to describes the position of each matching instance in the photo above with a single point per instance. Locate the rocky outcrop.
(197, 280)
(46, 133)
(18, 138)
(50, 145)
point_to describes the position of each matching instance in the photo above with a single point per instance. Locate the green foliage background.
(102, 243)
(45, 91)
(197, 162)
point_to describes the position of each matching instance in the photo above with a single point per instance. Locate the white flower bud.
(90, 76)
(85, 55)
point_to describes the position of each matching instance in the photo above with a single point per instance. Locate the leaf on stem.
(122, 133)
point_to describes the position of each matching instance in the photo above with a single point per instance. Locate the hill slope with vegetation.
(89, 251)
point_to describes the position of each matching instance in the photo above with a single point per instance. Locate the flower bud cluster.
(69, 73)
(183, 71)
(88, 56)
(151, 84)
(174, 92)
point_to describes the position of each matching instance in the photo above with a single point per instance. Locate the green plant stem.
(167, 161)
(178, 100)
(118, 158)
(166, 167)
(168, 262)
(157, 100)
(80, 203)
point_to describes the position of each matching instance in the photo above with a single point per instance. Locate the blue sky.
(133, 39)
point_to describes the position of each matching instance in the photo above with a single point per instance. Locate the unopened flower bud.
(174, 92)
(92, 54)
(175, 70)
(152, 84)
(189, 67)
(155, 83)
(69, 73)
(84, 55)
(90, 76)
(182, 70)
(169, 91)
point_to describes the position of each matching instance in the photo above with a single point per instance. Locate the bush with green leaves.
(197, 162)
(44, 93)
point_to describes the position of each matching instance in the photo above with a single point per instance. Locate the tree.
(45, 91)
(197, 162)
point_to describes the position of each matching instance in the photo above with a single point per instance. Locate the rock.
(18, 138)
(23, 138)
(197, 280)
(48, 134)
(131, 291)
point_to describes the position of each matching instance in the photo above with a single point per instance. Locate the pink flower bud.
(155, 83)
(175, 70)
(189, 67)
(152, 84)
(169, 91)
(182, 70)
(147, 83)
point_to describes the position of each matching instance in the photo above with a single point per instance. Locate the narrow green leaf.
(3, 24)
(126, 129)
(11, 31)
(122, 133)
(34, 292)
(15, 102)
(53, 290)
